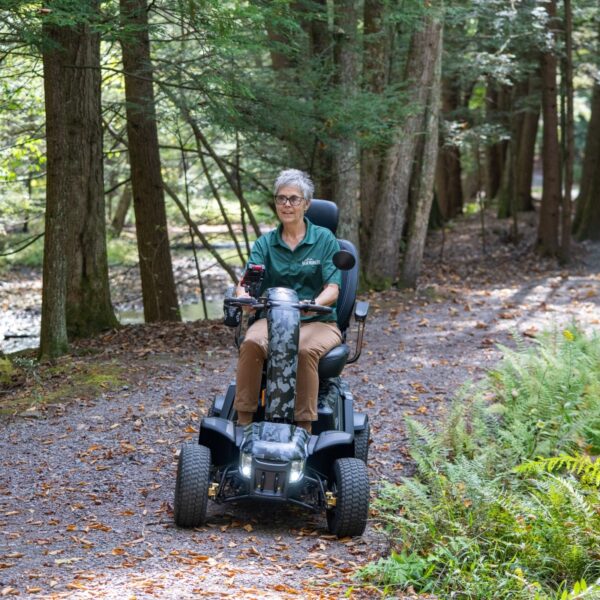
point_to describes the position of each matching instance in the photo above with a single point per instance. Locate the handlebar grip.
(241, 302)
(315, 308)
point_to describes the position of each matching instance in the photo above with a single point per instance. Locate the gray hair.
(295, 178)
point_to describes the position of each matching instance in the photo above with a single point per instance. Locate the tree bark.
(448, 176)
(279, 41)
(346, 160)
(118, 221)
(526, 150)
(89, 307)
(548, 228)
(423, 178)
(53, 334)
(496, 105)
(279, 60)
(376, 48)
(514, 193)
(565, 229)
(389, 220)
(321, 52)
(587, 218)
(158, 285)
(507, 187)
(75, 192)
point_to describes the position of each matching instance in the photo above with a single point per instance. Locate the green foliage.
(469, 524)
(15, 250)
(581, 465)
(7, 371)
(122, 251)
(405, 570)
(36, 384)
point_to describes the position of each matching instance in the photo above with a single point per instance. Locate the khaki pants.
(316, 339)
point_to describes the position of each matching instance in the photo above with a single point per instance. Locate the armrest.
(360, 314)
(360, 311)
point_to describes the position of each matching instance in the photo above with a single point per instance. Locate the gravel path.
(86, 487)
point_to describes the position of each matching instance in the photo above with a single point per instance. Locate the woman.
(297, 255)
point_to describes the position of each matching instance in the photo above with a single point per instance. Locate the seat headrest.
(324, 213)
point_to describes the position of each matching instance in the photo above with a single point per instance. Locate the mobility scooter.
(272, 459)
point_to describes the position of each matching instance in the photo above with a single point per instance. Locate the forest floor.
(89, 444)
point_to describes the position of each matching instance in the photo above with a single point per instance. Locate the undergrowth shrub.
(506, 500)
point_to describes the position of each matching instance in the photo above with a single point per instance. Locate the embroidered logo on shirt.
(310, 261)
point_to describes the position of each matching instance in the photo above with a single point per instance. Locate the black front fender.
(219, 435)
(330, 446)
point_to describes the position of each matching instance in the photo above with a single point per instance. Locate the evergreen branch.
(28, 242)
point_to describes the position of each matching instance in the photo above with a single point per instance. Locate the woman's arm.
(328, 295)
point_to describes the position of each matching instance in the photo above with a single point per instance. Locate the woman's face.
(287, 213)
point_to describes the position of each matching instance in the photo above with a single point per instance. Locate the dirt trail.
(86, 487)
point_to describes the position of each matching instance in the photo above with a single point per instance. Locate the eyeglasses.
(281, 200)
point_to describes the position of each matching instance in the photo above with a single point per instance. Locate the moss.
(7, 372)
(378, 284)
(62, 382)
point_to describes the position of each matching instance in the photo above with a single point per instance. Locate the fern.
(581, 465)
(483, 531)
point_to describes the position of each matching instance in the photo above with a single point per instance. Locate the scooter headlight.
(246, 465)
(296, 470)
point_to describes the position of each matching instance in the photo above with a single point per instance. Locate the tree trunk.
(448, 176)
(515, 187)
(473, 181)
(346, 160)
(495, 153)
(586, 224)
(526, 152)
(383, 261)
(53, 334)
(375, 75)
(279, 61)
(118, 221)
(89, 308)
(320, 49)
(75, 192)
(505, 192)
(423, 178)
(565, 233)
(280, 40)
(548, 228)
(158, 285)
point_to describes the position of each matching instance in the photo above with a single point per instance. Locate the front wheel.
(351, 489)
(191, 487)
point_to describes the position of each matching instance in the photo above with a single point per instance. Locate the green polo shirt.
(305, 269)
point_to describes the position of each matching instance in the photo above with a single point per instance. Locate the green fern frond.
(587, 471)
(575, 496)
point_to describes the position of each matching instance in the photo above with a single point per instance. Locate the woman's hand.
(240, 292)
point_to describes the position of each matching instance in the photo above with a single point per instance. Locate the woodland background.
(461, 140)
(175, 116)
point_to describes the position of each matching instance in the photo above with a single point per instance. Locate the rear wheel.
(361, 443)
(191, 487)
(351, 488)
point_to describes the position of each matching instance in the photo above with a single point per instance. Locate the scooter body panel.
(283, 320)
(219, 435)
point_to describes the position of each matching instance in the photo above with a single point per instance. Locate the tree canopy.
(241, 89)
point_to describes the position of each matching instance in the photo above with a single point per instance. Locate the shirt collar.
(309, 236)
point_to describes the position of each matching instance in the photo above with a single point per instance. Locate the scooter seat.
(332, 363)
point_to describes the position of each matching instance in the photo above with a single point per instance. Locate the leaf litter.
(86, 486)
